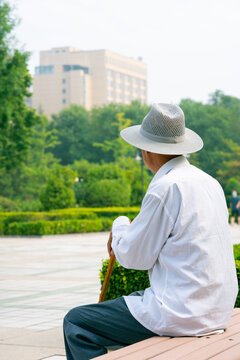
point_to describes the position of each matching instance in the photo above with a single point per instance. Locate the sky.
(191, 47)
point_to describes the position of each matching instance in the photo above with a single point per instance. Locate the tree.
(117, 146)
(25, 181)
(72, 131)
(16, 120)
(213, 124)
(135, 111)
(230, 163)
(59, 193)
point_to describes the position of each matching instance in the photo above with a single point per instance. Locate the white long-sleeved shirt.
(181, 236)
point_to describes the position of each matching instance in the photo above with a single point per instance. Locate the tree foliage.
(58, 193)
(16, 120)
(217, 122)
(72, 131)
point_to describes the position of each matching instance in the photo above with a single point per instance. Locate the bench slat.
(152, 351)
(214, 348)
(197, 344)
(230, 354)
(118, 354)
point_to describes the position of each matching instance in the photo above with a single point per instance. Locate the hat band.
(163, 139)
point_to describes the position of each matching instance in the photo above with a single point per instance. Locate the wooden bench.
(224, 346)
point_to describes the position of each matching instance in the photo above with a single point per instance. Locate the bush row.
(66, 214)
(237, 304)
(11, 217)
(38, 223)
(110, 212)
(125, 281)
(57, 227)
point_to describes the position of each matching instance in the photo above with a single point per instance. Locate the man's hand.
(109, 244)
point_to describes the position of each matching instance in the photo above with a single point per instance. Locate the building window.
(64, 91)
(118, 86)
(43, 70)
(109, 93)
(134, 82)
(67, 68)
(118, 76)
(64, 101)
(63, 81)
(109, 73)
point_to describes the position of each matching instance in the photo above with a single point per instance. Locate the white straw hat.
(163, 132)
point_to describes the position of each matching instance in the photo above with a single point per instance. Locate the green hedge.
(124, 281)
(108, 212)
(49, 216)
(236, 250)
(54, 227)
(237, 304)
(37, 223)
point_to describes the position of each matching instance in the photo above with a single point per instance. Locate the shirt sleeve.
(137, 245)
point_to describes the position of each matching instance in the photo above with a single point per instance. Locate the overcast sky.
(191, 47)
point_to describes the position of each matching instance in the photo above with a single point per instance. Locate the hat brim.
(191, 143)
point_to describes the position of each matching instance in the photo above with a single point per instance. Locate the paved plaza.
(41, 278)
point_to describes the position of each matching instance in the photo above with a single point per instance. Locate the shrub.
(236, 250)
(237, 304)
(8, 205)
(29, 205)
(53, 227)
(123, 281)
(57, 196)
(108, 192)
(59, 191)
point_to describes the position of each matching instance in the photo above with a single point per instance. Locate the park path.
(41, 278)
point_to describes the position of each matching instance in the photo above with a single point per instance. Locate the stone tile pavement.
(41, 278)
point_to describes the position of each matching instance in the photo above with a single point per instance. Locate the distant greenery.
(218, 123)
(37, 153)
(103, 169)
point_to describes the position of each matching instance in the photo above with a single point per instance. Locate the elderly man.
(181, 236)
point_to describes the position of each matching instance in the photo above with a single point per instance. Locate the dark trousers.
(90, 329)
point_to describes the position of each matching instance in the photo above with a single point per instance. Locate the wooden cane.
(108, 274)
(107, 278)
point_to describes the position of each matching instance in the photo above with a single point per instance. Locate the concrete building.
(88, 78)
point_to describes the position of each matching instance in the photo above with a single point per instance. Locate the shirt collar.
(168, 166)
